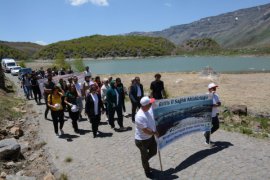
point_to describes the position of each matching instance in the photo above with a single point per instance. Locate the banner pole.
(160, 160)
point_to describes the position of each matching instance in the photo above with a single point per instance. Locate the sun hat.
(211, 85)
(146, 100)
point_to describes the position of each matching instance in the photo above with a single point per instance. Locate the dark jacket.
(133, 93)
(112, 98)
(90, 106)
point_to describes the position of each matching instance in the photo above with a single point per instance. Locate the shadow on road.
(103, 123)
(124, 130)
(68, 137)
(193, 159)
(103, 134)
(84, 131)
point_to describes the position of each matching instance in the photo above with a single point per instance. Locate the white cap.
(146, 100)
(211, 85)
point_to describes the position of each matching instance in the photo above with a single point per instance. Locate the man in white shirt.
(216, 103)
(145, 129)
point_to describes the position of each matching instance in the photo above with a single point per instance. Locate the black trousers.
(94, 120)
(74, 116)
(215, 126)
(119, 112)
(123, 105)
(134, 107)
(148, 149)
(47, 107)
(37, 94)
(57, 116)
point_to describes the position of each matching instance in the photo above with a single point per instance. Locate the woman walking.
(57, 112)
(71, 101)
(93, 108)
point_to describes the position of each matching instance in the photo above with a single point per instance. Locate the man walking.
(114, 103)
(135, 95)
(157, 88)
(215, 121)
(145, 129)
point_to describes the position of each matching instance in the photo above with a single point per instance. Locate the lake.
(179, 64)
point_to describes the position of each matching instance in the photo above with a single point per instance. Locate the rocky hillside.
(27, 48)
(243, 28)
(9, 52)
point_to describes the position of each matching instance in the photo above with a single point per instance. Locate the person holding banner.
(215, 121)
(145, 129)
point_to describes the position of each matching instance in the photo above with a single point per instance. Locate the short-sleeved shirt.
(157, 87)
(215, 110)
(144, 120)
(48, 85)
(71, 98)
(55, 100)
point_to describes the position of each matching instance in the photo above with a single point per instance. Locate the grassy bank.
(10, 105)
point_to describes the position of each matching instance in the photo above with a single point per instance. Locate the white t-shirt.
(215, 101)
(144, 120)
(117, 96)
(139, 93)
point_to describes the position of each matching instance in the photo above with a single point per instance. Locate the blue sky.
(48, 21)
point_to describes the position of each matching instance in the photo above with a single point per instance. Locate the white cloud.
(168, 4)
(41, 43)
(95, 2)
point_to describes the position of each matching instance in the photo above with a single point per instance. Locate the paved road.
(115, 156)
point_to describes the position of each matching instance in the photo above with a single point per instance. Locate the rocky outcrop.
(15, 177)
(238, 110)
(10, 149)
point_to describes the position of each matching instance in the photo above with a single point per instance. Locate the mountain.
(9, 52)
(245, 28)
(99, 46)
(27, 47)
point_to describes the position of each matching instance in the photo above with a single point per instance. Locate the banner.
(56, 79)
(178, 117)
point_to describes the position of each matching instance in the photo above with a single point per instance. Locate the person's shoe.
(122, 129)
(57, 134)
(210, 143)
(149, 174)
(133, 122)
(125, 114)
(61, 131)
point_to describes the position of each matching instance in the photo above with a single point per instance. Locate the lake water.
(179, 64)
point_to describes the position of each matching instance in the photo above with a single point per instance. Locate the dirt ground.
(251, 90)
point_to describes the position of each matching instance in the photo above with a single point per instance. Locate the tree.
(78, 64)
(60, 62)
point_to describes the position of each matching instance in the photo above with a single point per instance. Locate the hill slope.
(8, 52)
(243, 28)
(27, 47)
(98, 46)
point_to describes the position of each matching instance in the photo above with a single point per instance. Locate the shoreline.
(151, 57)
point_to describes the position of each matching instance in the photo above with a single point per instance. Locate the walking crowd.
(97, 97)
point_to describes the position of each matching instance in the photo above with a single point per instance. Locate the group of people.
(100, 97)
(108, 97)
